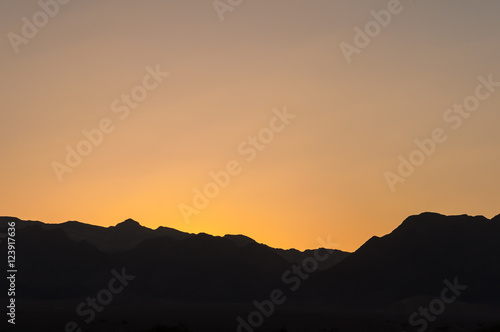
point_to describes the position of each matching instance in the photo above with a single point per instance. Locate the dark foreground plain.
(162, 316)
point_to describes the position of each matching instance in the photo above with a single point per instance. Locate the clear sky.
(356, 103)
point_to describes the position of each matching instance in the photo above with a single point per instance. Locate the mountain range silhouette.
(199, 282)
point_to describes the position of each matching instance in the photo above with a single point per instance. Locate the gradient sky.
(321, 176)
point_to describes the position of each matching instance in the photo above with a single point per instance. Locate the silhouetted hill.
(240, 240)
(54, 266)
(172, 264)
(203, 268)
(123, 236)
(206, 279)
(171, 233)
(414, 259)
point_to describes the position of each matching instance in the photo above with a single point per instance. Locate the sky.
(287, 121)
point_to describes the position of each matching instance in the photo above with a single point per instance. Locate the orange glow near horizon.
(322, 174)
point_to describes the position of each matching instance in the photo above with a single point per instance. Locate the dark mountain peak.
(427, 247)
(128, 224)
(171, 233)
(436, 216)
(74, 223)
(129, 221)
(431, 220)
(240, 240)
(165, 228)
(423, 217)
(496, 218)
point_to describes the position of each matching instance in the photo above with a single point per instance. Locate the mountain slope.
(414, 260)
(74, 257)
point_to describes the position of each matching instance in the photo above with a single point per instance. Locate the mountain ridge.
(387, 279)
(76, 230)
